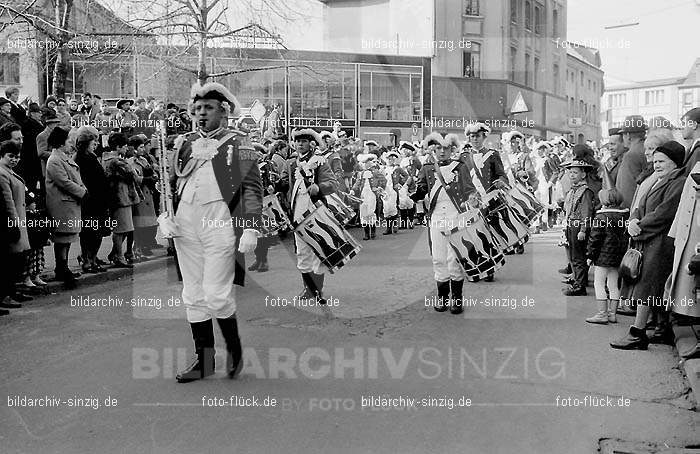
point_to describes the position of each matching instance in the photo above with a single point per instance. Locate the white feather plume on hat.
(434, 138)
(310, 133)
(364, 157)
(473, 128)
(452, 140)
(214, 90)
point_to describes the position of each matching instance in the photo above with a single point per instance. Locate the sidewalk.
(686, 337)
(89, 278)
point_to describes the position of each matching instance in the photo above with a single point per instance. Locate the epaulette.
(246, 151)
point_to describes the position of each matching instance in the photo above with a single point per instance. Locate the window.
(514, 11)
(471, 61)
(582, 78)
(9, 69)
(555, 75)
(555, 23)
(617, 100)
(528, 15)
(580, 108)
(652, 97)
(572, 107)
(589, 84)
(538, 20)
(595, 87)
(536, 73)
(471, 8)
(528, 74)
(390, 95)
(686, 101)
(513, 53)
(594, 115)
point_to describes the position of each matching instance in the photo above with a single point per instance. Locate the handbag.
(631, 265)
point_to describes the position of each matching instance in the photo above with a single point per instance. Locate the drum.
(342, 212)
(331, 243)
(508, 229)
(523, 202)
(475, 246)
(275, 219)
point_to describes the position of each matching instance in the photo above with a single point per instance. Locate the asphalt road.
(496, 379)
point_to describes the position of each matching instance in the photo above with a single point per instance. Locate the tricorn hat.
(121, 102)
(308, 134)
(576, 163)
(451, 140)
(473, 128)
(214, 90)
(434, 138)
(407, 145)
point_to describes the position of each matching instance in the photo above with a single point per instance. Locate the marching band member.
(396, 177)
(216, 182)
(448, 185)
(307, 179)
(487, 162)
(368, 185)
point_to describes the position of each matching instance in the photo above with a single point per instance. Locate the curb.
(685, 339)
(112, 274)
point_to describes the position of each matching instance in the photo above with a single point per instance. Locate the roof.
(87, 16)
(647, 84)
(693, 77)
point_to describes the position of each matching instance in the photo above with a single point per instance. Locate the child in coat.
(606, 247)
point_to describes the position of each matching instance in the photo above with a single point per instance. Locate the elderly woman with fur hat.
(94, 209)
(649, 226)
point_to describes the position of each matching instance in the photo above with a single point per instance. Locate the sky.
(662, 45)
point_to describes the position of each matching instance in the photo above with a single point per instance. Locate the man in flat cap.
(217, 192)
(307, 179)
(633, 162)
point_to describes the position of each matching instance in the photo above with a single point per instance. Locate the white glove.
(168, 226)
(249, 239)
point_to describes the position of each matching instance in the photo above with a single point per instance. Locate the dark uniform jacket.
(492, 169)
(458, 191)
(322, 176)
(236, 171)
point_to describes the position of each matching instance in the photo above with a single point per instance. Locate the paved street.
(517, 355)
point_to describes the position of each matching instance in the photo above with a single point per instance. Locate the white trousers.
(445, 264)
(307, 261)
(206, 253)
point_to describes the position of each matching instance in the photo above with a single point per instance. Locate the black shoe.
(443, 296)
(21, 297)
(456, 307)
(489, 278)
(203, 364)
(662, 334)
(636, 340)
(234, 357)
(388, 232)
(566, 270)
(96, 268)
(4, 312)
(567, 281)
(147, 251)
(254, 266)
(626, 310)
(308, 293)
(120, 264)
(263, 267)
(573, 291)
(10, 304)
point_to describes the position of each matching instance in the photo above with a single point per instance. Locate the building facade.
(584, 89)
(670, 98)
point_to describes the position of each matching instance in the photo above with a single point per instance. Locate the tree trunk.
(60, 73)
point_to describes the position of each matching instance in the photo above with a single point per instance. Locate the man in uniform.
(448, 185)
(307, 179)
(216, 187)
(487, 161)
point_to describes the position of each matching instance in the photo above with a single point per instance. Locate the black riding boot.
(456, 307)
(663, 334)
(308, 286)
(367, 230)
(234, 357)
(203, 364)
(317, 287)
(443, 289)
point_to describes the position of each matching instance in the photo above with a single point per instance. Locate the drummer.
(307, 179)
(447, 184)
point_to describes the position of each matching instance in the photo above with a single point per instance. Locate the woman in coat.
(94, 209)
(64, 192)
(123, 194)
(144, 213)
(685, 278)
(13, 191)
(648, 226)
